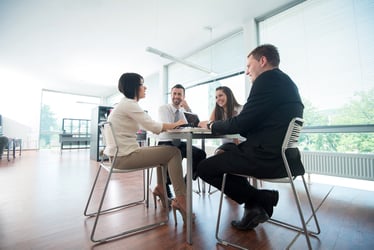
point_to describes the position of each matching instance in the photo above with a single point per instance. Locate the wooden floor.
(43, 194)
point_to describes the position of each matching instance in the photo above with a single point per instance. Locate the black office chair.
(290, 141)
(107, 130)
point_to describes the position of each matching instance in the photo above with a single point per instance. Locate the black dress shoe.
(251, 218)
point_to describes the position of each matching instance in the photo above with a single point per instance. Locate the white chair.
(290, 141)
(107, 164)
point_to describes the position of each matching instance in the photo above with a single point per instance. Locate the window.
(326, 48)
(55, 107)
(330, 57)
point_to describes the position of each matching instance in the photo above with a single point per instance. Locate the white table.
(189, 134)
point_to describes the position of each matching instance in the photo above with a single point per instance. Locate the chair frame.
(290, 141)
(109, 167)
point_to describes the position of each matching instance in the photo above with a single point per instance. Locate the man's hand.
(184, 105)
(179, 123)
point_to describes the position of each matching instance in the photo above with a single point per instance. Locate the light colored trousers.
(157, 155)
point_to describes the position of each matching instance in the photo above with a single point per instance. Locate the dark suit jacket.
(273, 101)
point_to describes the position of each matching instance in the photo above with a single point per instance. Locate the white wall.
(20, 106)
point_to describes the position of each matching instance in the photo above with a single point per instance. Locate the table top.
(195, 133)
(190, 130)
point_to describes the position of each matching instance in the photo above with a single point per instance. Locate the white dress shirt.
(127, 118)
(166, 114)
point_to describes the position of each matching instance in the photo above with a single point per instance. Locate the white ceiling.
(83, 46)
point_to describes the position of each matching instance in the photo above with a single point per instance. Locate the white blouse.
(127, 118)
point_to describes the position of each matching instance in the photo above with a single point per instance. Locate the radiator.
(357, 166)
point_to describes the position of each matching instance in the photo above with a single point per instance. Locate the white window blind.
(327, 47)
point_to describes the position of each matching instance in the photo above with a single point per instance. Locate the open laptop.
(191, 126)
(192, 119)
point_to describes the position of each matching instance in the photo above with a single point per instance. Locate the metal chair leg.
(100, 211)
(303, 229)
(90, 195)
(299, 229)
(219, 239)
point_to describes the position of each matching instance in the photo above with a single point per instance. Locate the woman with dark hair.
(226, 107)
(127, 118)
(226, 104)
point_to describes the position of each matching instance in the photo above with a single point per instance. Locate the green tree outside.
(360, 110)
(48, 124)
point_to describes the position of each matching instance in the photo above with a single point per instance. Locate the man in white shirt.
(174, 111)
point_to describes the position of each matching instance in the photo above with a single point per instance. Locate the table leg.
(203, 182)
(189, 189)
(8, 149)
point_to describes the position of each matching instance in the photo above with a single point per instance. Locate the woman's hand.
(167, 126)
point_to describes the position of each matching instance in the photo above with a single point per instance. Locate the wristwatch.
(209, 124)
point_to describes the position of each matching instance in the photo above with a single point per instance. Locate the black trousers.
(197, 155)
(238, 188)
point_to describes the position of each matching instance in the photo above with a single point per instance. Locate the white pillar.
(250, 42)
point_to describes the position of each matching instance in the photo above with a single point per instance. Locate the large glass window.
(55, 107)
(326, 47)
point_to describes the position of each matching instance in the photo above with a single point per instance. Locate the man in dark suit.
(273, 101)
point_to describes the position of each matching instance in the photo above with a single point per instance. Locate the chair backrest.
(291, 139)
(109, 139)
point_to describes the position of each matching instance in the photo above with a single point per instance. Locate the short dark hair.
(269, 51)
(179, 86)
(129, 84)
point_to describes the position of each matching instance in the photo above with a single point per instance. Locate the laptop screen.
(192, 119)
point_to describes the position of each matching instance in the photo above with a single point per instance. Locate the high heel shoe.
(177, 206)
(157, 193)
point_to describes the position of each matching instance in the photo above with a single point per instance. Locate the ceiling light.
(175, 59)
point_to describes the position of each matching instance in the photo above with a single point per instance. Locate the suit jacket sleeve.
(269, 91)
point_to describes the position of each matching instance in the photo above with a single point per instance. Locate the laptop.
(192, 124)
(192, 119)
